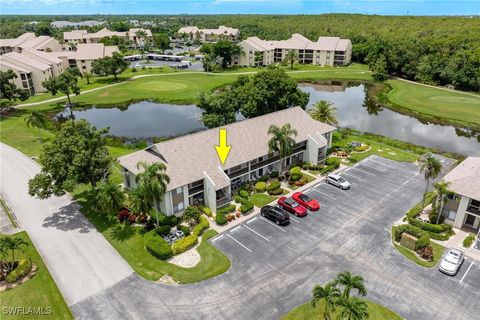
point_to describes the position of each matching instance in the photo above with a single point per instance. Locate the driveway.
(274, 268)
(79, 258)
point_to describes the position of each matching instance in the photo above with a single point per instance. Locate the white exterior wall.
(311, 153)
(461, 216)
(209, 193)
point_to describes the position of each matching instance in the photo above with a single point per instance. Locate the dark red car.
(292, 206)
(306, 201)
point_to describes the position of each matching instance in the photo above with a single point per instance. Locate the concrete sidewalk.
(80, 260)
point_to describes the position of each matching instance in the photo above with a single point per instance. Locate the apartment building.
(462, 207)
(198, 177)
(206, 35)
(29, 41)
(326, 51)
(85, 54)
(137, 36)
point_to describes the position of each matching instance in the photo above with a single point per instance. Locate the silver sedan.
(451, 262)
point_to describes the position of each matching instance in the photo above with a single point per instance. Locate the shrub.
(22, 269)
(244, 194)
(295, 169)
(335, 162)
(220, 219)
(123, 214)
(467, 242)
(361, 148)
(207, 211)
(184, 244)
(434, 228)
(294, 177)
(238, 199)
(423, 241)
(412, 230)
(185, 230)
(418, 207)
(201, 226)
(315, 167)
(163, 230)
(426, 253)
(192, 214)
(274, 185)
(246, 207)
(260, 186)
(274, 174)
(264, 178)
(157, 246)
(227, 209)
(276, 192)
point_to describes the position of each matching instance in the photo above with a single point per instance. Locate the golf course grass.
(308, 312)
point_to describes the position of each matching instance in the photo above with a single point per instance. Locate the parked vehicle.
(137, 65)
(276, 214)
(306, 201)
(338, 181)
(292, 206)
(451, 262)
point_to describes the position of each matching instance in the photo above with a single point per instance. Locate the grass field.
(40, 291)
(456, 106)
(308, 312)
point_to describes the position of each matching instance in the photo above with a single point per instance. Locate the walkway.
(78, 257)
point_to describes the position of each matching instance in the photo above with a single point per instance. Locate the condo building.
(205, 35)
(198, 177)
(137, 36)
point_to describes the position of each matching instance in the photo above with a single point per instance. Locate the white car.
(137, 65)
(338, 181)
(451, 262)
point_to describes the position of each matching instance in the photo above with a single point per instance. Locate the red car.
(306, 201)
(292, 206)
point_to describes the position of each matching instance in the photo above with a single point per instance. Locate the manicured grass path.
(308, 312)
(39, 292)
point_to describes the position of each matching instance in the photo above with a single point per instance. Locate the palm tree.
(291, 57)
(349, 282)
(431, 168)
(329, 294)
(137, 200)
(38, 120)
(153, 181)
(441, 190)
(324, 111)
(353, 308)
(11, 245)
(281, 140)
(109, 197)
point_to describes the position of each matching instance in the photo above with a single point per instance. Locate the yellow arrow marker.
(222, 149)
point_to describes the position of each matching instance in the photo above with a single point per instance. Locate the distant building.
(81, 24)
(194, 33)
(30, 41)
(85, 55)
(326, 51)
(76, 37)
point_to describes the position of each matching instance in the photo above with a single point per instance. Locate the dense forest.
(433, 50)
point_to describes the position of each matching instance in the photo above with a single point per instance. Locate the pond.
(149, 119)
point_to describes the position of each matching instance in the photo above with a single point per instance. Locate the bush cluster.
(467, 242)
(185, 230)
(294, 177)
(413, 212)
(264, 178)
(201, 226)
(206, 210)
(184, 244)
(227, 209)
(426, 253)
(314, 167)
(430, 227)
(164, 220)
(411, 230)
(260, 186)
(21, 270)
(276, 192)
(295, 169)
(246, 207)
(163, 230)
(157, 246)
(220, 219)
(423, 241)
(274, 174)
(244, 194)
(274, 185)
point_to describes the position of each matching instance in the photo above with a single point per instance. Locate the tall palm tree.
(109, 197)
(291, 57)
(281, 139)
(329, 295)
(38, 120)
(349, 282)
(441, 190)
(431, 168)
(353, 308)
(153, 181)
(324, 111)
(11, 245)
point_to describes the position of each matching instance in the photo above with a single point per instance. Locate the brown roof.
(190, 157)
(465, 178)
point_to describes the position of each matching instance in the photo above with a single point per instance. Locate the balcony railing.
(195, 190)
(265, 163)
(223, 201)
(233, 175)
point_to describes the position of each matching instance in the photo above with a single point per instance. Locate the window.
(451, 215)
(475, 203)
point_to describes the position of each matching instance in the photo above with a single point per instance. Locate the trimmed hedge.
(264, 178)
(294, 177)
(314, 167)
(260, 186)
(184, 244)
(335, 162)
(201, 226)
(246, 207)
(412, 230)
(21, 270)
(276, 192)
(207, 211)
(238, 199)
(274, 185)
(274, 174)
(244, 194)
(185, 230)
(423, 242)
(220, 219)
(157, 246)
(430, 227)
(163, 230)
(295, 169)
(227, 209)
(467, 242)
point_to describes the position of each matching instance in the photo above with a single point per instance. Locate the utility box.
(408, 241)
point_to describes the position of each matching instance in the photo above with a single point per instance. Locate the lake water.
(148, 119)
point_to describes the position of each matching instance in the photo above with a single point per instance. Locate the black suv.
(276, 214)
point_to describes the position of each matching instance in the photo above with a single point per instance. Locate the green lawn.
(40, 291)
(308, 312)
(434, 102)
(261, 199)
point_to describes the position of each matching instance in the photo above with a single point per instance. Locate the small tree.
(291, 57)
(37, 120)
(8, 247)
(329, 295)
(353, 308)
(431, 168)
(349, 282)
(113, 65)
(9, 90)
(281, 140)
(66, 83)
(109, 197)
(441, 190)
(192, 215)
(161, 41)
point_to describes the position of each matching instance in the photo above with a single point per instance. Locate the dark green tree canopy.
(226, 50)
(77, 154)
(66, 83)
(8, 90)
(161, 41)
(110, 65)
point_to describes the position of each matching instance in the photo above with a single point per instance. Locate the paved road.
(79, 258)
(351, 232)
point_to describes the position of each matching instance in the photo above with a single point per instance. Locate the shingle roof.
(15, 57)
(188, 157)
(90, 51)
(299, 42)
(47, 57)
(465, 178)
(12, 66)
(259, 44)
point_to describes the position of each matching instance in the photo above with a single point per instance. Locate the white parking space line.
(366, 172)
(244, 246)
(324, 194)
(273, 224)
(380, 163)
(219, 237)
(376, 168)
(258, 234)
(251, 220)
(236, 228)
(294, 220)
(471, 264)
